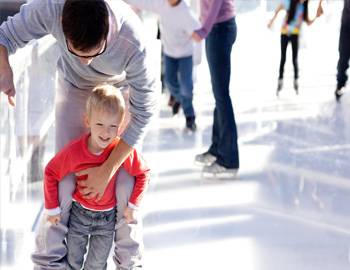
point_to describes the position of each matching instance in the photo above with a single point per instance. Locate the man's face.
(86, 57)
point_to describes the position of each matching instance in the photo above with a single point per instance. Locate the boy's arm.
(191, 22)
(136, 166)
(58, 167)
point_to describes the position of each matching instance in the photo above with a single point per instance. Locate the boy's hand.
(54, 220)
(130, 215)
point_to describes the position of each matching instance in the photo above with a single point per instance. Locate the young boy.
(92, 222)
(177, 24)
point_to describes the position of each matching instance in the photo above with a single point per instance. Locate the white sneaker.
(204, 159)
(217, 171)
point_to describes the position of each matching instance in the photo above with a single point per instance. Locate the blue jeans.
(85, 224)
(344, 55)
(178, 78)
(218, 46)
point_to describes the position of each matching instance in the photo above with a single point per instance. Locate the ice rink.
(288, 208)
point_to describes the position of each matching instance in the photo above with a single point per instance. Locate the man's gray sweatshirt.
(125, 57)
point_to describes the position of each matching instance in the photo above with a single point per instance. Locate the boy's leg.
(77, 238)
(101, 240)
(170, 76)
(128, 237)
(186, 85)
(50, 248)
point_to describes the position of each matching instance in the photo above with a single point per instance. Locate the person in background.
(177, 23)
(297, 11)
(344, 50)
(219, 31)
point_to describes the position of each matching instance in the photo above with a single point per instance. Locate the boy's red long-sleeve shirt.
(76, 157)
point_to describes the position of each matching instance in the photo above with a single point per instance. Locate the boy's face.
(103, 127)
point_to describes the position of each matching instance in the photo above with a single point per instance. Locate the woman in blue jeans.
(219, 30)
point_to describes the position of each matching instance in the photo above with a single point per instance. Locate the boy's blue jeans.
(178, 78)
(93, 228)
(218, 46)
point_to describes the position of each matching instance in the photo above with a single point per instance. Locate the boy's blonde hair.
(106, 98)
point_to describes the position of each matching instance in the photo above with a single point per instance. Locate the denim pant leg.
(218, 50)
(101, 240)
(171, 66)
(344, 55)
(93, 229)
(186, 85)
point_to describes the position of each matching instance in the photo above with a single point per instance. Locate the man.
(100, 42)
(344, 51)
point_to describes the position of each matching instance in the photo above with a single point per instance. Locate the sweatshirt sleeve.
(142, 96)
(136, 166)
(58, 167)
(208, 22)
(34, 20)
(192, 22)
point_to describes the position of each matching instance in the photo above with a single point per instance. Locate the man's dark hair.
(292, 10)
(85, 23)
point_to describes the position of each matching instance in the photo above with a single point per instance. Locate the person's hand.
(54, 220)
(6, 83)
(130, 215)
(319, 11)
(196, 37)
(95, 184)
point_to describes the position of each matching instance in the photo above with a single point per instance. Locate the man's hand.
(54, 220)
(130, 215)
(6, 77)
(94, 186)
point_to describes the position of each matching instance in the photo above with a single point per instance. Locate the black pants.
(285, 39)
(344, 55)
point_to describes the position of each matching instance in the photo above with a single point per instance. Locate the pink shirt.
(214, 11)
